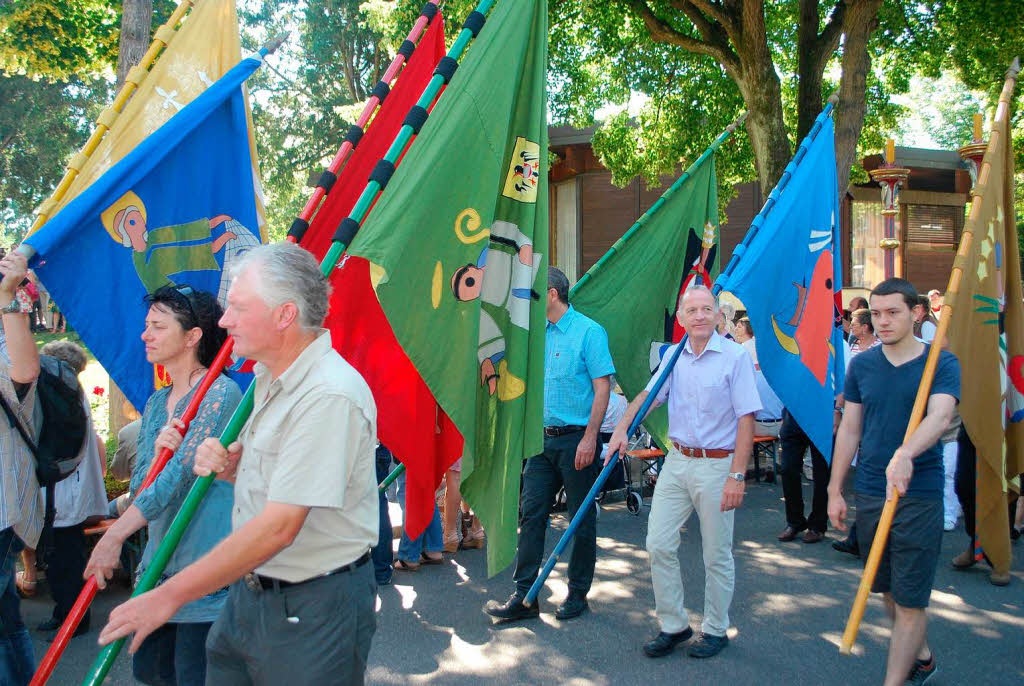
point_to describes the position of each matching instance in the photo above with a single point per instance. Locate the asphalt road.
(788, 613)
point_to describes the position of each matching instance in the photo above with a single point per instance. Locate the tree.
(136, 19)
(58, 39)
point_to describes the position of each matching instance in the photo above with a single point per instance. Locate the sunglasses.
(186, 294)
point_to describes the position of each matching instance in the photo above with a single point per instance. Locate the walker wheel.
(634, 502)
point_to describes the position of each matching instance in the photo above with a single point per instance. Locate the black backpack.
(63, 432)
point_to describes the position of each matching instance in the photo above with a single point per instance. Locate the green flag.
(633, 290)
(456, 246)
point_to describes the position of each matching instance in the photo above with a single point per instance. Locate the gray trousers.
(543, 476)
(316, 633)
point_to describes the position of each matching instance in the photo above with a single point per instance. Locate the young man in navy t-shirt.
(881, 385)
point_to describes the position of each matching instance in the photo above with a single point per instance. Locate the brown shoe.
(964, 560)
(812, 536)
(999, 578)
(790, 533)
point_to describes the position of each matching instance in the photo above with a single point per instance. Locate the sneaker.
(949, 525)
(707, 645)
(922, 672)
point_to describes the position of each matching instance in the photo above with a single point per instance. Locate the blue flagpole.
(563, 542)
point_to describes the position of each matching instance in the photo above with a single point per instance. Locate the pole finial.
(834, 98)
(275, 43)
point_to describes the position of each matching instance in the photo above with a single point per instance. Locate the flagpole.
(346, 231)
(355, 133)
(924, 389)
(581, 512)
(669, 192)
(135, 76)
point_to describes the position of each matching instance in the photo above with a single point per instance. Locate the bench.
(766, 446)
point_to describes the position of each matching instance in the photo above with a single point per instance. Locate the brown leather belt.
(715, 453)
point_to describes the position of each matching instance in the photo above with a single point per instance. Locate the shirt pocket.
(563, 365)
(712, 399)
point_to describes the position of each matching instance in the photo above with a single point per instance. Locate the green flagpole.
(669, 192)
(105, 660)
(390, 478)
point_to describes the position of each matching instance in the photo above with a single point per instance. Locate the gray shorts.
(907, 568)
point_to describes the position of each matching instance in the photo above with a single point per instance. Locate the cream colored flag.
(205, 47)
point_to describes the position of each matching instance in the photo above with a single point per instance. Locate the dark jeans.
(65, 561)
(383, 554)
(543, 476)
(794, 443)
(173, 655)
(17, 660)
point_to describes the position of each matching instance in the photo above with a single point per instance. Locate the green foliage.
(59, 39)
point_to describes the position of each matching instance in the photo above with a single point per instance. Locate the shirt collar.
(563, 323)
(297, 370)
(714, 343)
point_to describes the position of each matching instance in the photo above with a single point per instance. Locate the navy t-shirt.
(886, 395)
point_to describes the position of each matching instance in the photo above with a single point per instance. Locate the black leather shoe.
(707, 645)
(790, 533)
(845, 546)
(513, 609)
(663, 644)
(573, 606)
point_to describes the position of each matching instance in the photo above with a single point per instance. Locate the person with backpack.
(181, 333)
(79, 500)
(21, 507)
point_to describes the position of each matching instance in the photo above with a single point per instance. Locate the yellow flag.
(205, 47)
(987, 335)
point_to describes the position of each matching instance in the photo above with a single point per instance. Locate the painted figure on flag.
(161, 253)
(502, 279)
(808, 331)
(700, 255)
(521, 183)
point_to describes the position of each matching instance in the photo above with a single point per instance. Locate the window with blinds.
(933, 226)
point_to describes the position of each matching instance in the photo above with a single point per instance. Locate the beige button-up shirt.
(310, 441)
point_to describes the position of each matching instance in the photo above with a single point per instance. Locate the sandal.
(451, 542)
(26, 588)
(406, 566)
(427, 560)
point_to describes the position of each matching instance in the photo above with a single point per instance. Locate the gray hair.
(558, 281)
(67, 351)
(700, 288)
(288, 273)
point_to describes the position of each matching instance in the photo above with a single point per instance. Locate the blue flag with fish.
(787, 273)
(176, 210)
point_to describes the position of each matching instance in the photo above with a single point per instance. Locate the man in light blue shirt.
(577, 380)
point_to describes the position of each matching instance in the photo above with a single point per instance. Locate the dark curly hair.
(192, 308)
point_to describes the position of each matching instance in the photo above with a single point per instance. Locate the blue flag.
(787, 275)
(178, 209)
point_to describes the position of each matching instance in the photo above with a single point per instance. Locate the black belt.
(768, 421)
(563, 430)
(257, 582)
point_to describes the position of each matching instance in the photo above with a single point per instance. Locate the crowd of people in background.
(292, 524)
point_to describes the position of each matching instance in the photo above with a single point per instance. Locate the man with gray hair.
(577, 381)
(712, 397)
(301, 598)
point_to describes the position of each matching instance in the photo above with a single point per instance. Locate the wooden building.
(588, 213)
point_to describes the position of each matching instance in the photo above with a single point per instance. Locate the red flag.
(409, 421)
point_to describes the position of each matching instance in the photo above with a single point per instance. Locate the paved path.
(790, 608)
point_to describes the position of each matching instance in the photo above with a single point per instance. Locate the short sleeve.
(947, 376)
(743, 386)
(851, 387)
(596, 354)
(663, 393)
(318, 452)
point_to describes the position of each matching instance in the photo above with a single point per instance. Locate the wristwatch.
(13, 308)
(739, 476)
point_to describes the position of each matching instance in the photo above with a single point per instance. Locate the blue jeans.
(382, 554)
(17, 660)
(431, 540)
(173, 655)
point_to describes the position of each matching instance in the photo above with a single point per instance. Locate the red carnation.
(98, 390)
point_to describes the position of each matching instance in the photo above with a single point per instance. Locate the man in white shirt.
(712, 397)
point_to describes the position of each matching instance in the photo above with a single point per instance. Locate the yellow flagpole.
(924, 390)
(136, 74)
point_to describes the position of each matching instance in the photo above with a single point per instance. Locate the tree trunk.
(766, 127)
(859, 23)
(136, 20)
